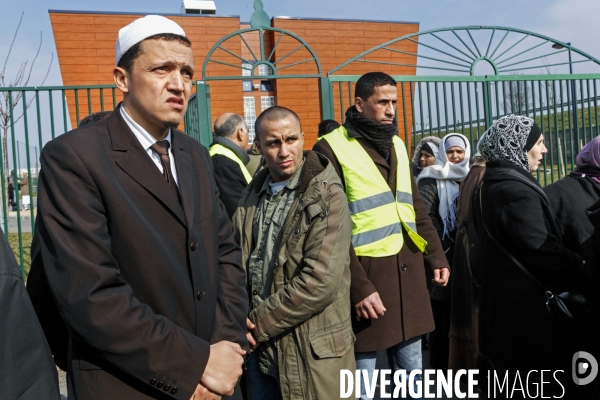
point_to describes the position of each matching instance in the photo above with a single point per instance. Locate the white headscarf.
(435, 148)
(447, 175)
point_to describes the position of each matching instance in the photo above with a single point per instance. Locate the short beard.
(170, 124)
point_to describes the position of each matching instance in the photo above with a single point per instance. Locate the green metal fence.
(435, 106)
(489, 72)
(35, 115)
(198, 116)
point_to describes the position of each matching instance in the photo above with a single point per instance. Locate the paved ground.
(12, 221)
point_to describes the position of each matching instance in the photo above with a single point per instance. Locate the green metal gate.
(299, 63)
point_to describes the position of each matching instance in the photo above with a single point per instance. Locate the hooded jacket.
(307, 315)
(417, 153)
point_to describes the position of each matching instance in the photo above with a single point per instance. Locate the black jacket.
(593, 214)
(516, 330)
(27, 369)
(431, 199)
(230, 179)
(11, 193)
(569, 199)
(466, 277)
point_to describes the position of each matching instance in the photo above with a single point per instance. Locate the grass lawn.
(13, 240)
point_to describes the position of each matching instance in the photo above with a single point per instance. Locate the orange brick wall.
(335, 42)
(85, 45)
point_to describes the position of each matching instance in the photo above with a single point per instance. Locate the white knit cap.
(143, 28)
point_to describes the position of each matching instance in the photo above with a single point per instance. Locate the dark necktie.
(162, 149)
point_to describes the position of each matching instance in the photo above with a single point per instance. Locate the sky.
(565, 20)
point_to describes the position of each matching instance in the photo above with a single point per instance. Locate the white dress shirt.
(147, 140)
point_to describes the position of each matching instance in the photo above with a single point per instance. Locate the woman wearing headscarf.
(439, 187)
(517, 333)
(572, 201)
(571, 196)
(425, 154)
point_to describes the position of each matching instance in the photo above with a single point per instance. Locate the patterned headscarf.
(506, 140)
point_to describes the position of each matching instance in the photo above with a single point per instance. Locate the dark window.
(266, 86)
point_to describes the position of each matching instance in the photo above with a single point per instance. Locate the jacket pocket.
(332, 344)
(205, 222)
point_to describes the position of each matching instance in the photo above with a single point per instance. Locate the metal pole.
(574, 100)
(18, 156)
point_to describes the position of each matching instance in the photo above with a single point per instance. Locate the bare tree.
(556, 96)
(549, 86)
(517, 96)
(521, 96)
(20, 79)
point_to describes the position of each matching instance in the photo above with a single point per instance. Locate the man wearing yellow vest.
(228, 152)
(393, 238)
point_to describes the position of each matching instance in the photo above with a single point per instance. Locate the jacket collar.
(292, 183)
(223, 141)
(141, 134)
(314, 164)
(389, 164)
(353, 133)
(140, 167)
(502, 171)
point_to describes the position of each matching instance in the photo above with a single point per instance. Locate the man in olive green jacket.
(294, 227)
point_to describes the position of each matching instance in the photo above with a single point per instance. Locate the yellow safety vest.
(377, 216)
(224, 151)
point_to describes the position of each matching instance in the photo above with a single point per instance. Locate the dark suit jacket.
(143, 285)
(228, 175)
(27, 370)
(230, 181)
